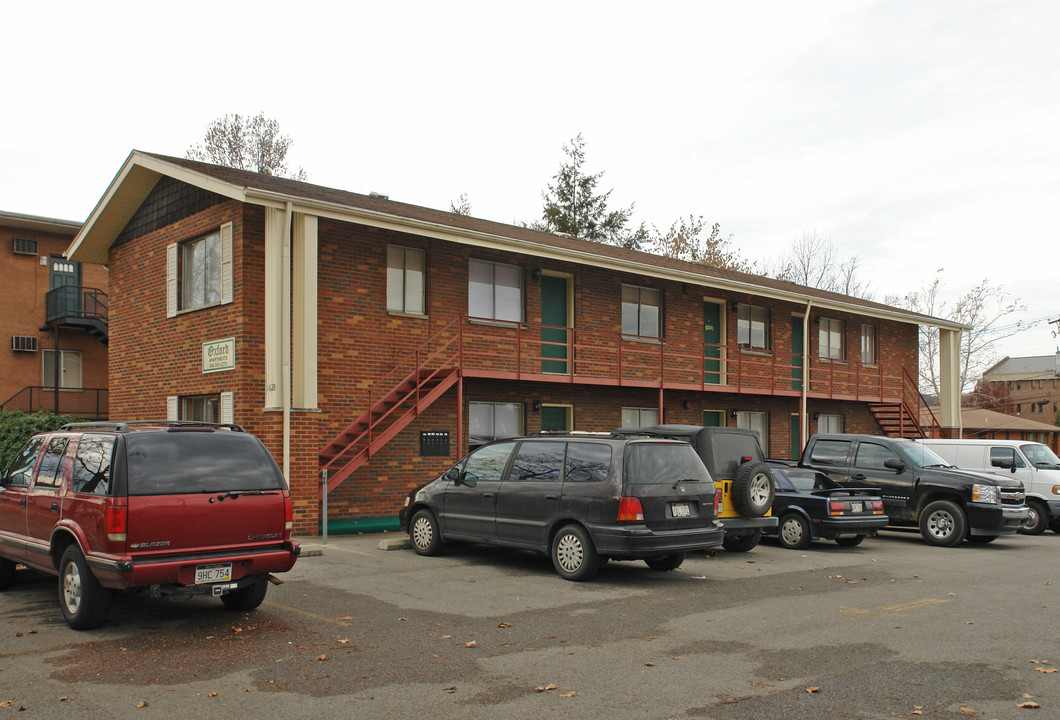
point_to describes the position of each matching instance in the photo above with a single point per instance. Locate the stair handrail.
(911, 388)
(390, 377)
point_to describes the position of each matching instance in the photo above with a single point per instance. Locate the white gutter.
(285, 340)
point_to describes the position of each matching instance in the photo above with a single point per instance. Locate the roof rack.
(573, 433)
(134, 424)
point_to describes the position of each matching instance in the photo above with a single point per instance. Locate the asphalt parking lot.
(890, 629)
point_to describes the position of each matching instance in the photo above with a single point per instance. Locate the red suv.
(176, 508)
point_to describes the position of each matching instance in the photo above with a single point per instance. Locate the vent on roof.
(24, 343)
(24, 246)
(379, 196)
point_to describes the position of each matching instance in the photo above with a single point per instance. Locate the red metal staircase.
(910, 418)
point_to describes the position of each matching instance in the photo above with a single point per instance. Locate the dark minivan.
(580, 498)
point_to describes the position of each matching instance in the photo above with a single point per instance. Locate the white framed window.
(830, 423)
(199, 272)
(757, 421)
(69, 369)
(868, 344)
(495, 291)
(641, 311)
(494, 421)
(752, 326)
(830, 338)
(215, 408)
(405, 280)
(634, 417)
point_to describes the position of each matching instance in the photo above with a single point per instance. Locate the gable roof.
(142, 170)
(980, 419)
(1025, 368)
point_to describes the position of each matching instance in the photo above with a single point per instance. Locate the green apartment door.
(66, 275)
(797, 345)
(711, 343)
(555, 315)
(555, 417)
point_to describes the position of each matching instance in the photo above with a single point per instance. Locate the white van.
(1033, 463)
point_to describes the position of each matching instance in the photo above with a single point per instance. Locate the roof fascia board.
(499, 242)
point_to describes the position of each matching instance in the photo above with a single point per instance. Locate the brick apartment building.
(377, 340)
(1025, 386)
(54, 320)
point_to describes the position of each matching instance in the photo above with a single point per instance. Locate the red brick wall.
(23, 286)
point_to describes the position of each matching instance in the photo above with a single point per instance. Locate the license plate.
(857, 506)
(217, 572)
(680, 509)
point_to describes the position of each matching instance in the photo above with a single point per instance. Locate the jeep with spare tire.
(742, 478)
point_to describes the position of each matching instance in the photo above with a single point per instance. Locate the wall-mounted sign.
(219, 355)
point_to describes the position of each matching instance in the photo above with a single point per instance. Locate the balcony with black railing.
(73, 306)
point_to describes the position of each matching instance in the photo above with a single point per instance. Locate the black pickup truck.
(920, 489)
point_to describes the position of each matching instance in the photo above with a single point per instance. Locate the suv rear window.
(182, 461)
(657, 463)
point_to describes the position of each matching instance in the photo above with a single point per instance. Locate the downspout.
(804, 434)
(285, 337)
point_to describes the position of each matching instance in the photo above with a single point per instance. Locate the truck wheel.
(7, 572)
(1037, 519)
(247, 597)
(942, 523)
(573, 554)
(742, 543)
(1054, 525)
(794, 532)
(752, 489)
(666, 563)
(84, 602)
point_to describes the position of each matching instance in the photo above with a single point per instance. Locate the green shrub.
(17, 427)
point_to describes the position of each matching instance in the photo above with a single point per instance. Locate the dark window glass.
(49, 474)
(588, 462)
(92, 464)
(537, 462)
(872, 456)
(830, 452)
(183, 461)
(657, 463)
(21, 469)
(781, 478)
(487, 463)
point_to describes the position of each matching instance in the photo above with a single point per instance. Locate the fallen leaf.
(546, 688)
(18, 634)
(504, 625)
(343, 641)
(451, 689)
(5, 704)
(1028, 705)
(813, 689)
(470, 644)
(917, 712)
(968, 711)
(570, 694)
(63, 699)
(211, 694)
(1045, 670)
(650, 664)
(345, 617)
(143, 704)
(447, 637)
(403, 619)
(322, 658)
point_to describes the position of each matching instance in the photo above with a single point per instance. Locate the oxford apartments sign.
(219, 355)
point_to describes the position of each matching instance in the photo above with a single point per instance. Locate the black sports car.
(810, 506)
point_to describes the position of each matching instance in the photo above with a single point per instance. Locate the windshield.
(168, 463)
(1040, 455)
(651, 463)
(922, 456)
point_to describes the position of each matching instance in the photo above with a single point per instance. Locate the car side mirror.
(894, 464)
(1005, 463)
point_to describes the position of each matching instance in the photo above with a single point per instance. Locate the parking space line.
(333, 621)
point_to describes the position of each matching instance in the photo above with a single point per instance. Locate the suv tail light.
(288, 517)
(717, 503)
(116, 522)
(630, 510)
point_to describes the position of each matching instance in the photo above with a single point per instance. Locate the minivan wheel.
(84, 602)
(942, 523)
(573, 554)
(794, 532)
(666, 563)
(752, 489)
(423, 532)
(1037, 519)
(247, 597)
(742, 543)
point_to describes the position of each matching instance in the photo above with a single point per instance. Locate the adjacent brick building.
(1025, 386)
(375, 340)
(53, 309)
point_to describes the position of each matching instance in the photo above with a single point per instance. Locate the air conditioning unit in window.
(24, 343)
(24, 246)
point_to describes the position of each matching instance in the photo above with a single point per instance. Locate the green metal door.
(64, 277)
(554, 417)
(797, 345)
(554, 315)
(713, 418)
(711, 343)
(796, 439)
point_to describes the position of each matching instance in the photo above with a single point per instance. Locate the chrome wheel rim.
(569, 552)
(1033, 518)
(791, 533)
(940, 524)
(760, 489)
(422, 533)
(72, 588)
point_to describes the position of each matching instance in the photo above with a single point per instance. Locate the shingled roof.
(142, 170)
(1024, 368)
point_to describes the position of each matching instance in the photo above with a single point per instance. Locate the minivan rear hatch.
(202, 491)
(672, 484)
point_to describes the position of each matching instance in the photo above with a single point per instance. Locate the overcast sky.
(915, 135)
